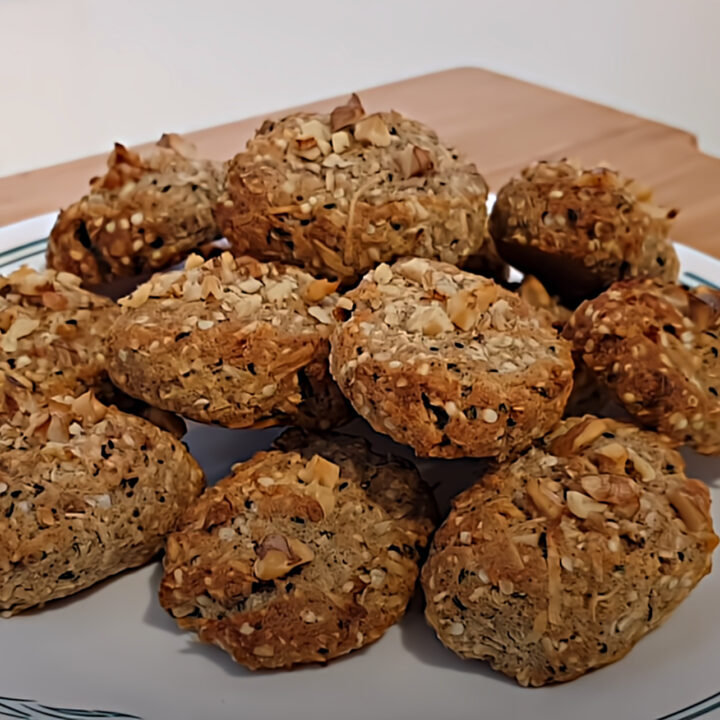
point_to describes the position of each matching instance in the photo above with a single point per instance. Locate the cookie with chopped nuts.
(581, 230)
(558, 563)
(144, 214)
(657, 347)
(231, 341)
(449, 362)
(52, 332)
(86, 491)
(339, 193)
(304, 553)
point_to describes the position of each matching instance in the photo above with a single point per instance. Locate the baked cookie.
(86, 491)
(580, 230)
(52, 332)
(657, 347)
(339, 193)
(144, 214)
(302, 554)
(230, 341)
(448, 362)
(560, 562)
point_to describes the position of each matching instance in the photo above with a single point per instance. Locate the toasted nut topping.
(277, 555)
(581, 505)
(430, 320)
(546, 504)
(373, 131)
(348, 114)
(689, 512)
(581, 435)
(319, 289)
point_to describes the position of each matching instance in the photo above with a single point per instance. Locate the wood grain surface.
(499, 122)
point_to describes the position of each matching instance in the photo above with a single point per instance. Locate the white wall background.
(77, 74)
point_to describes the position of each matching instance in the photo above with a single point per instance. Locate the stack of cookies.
(361, 276)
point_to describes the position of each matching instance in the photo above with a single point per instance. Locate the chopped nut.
(340, 141)
(373, 131)
(277, 555)
(348, 114)
(581, 505)
(691, 515)
(430, 320)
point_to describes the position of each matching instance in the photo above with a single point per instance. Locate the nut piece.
(430, 320)
(691, 515)
(414, 161)
(581, 435)
(581, 505)
(348, 114)
(543, 501)
(278, 555)
(373, 131)
(466, 307)
(322, 476)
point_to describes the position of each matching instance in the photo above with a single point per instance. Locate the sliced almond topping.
(581, 505)
(373, 131)
(643, 467)
(546, 504)
(348, 114)
(19, 329)
(582, 434)
(687, 509)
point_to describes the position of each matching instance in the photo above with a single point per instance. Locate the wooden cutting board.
(499, 122)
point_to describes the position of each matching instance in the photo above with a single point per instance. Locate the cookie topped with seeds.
(657, 347)
(231, 341)
(144, 214)
(302, 554)
(559, 562)
(86, 491)
(580, 230)
(52, 332)
(449, 362)
(338, 193)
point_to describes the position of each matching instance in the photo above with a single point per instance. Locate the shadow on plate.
(419, 639)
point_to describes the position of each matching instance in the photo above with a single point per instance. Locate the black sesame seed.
(458, 603)
(181, 335)
(572, 215)
(67, 575)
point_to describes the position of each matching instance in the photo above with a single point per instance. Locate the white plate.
(113, 647)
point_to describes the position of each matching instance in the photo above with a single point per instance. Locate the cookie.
(86, 491)
(657, 347)
(230, 341)
(560, 562)
(448, 362)
(52, 332)
(302, 554)
(339, 193)
(144, 214)
(580, 230)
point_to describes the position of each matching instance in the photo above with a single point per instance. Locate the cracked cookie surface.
(231, 341)
(580, 230)
(339, 193)
(86, 491)
(448, 362)
(144, 214)
(559, 562)
(657, 347)
(302, 554)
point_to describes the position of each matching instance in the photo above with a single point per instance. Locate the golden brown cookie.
(52, 332)
(339, 193)
(656, 346)
(560, 562)
(144, 214)
(303, 554)
(86, 491)
(449, 362)
(230, 341)
(580, 230)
